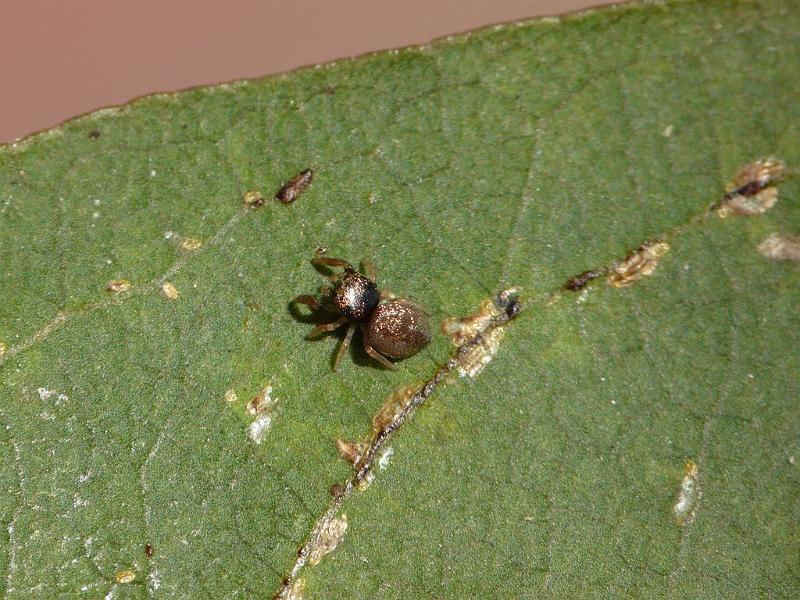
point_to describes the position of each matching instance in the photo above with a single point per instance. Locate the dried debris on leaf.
(688, 501)
(780, 247)
(253, 199)
(291, 190)
(331, 532)
(476, 328)
(638, 264)
(580, 281)
(753, 190)
(261, 401)
(351, 451)
(261, 406)
(118, 285)
(296, 590)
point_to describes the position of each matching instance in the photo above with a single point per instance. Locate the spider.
(391, 327)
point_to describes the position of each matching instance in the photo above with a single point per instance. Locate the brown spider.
(390, 327)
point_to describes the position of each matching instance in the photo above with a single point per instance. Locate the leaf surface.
(520, 155)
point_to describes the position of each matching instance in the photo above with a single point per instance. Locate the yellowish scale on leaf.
(3, 348)
(125, 576)
(191, 244)
(231, 397)
(118, 285)
(170, 291)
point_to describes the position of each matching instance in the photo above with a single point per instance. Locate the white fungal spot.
(96, 214)
(152, 172)
(153, 581)
(45, 394)
(383, 461)
(689, 495)
(259, 427)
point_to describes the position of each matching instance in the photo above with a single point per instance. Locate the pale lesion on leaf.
(752, 192)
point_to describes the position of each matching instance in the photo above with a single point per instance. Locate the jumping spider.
(390, 327)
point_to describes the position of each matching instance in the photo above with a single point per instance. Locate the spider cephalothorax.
(394, 328)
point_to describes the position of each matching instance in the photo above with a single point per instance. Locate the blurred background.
(62, 59)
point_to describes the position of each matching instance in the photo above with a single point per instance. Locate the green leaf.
(520, 155)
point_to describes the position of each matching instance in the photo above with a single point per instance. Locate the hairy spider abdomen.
(355, 296)
(398, 329)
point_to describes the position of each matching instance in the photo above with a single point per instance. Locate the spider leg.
(343, 348)
(369, 269)
(379, 357)
(312, 302)
(326, 327)
(328, 261)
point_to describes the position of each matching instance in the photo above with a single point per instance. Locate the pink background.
(62, 59)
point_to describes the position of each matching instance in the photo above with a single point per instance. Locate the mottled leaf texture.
(630, 440)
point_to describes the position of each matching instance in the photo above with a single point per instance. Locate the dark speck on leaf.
(94, 134)
(292, 189)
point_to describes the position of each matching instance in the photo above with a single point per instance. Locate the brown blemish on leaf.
(780, 247)
(190, 244)
(118, 285)
(753, 190)
(261, 402)
(291, 190)
(688, 500)
(170, 291)
(330, 534)
(253, 199)
(638, 264)
(580, 281)
(148, 550)
(351, 451)
(125, 576)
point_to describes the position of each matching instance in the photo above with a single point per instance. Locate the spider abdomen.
(398, 329)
